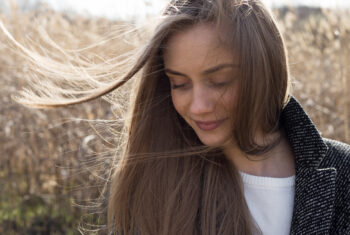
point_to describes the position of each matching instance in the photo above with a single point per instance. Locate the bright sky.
(111, 8)
(127, 8)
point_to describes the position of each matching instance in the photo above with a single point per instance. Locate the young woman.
(215, 142)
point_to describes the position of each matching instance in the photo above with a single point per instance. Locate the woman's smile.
(209, 125)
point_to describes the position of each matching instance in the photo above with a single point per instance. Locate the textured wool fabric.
(322, 183)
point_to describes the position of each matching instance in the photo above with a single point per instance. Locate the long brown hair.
(185, 193)
(166, 181)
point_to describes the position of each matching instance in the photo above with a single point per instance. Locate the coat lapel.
(314, 185)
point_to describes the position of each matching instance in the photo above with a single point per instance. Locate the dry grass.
(47, 160)
(319, 52)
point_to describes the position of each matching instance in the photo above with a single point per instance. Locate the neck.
(278, 162)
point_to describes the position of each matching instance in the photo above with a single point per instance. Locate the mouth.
(208, 126)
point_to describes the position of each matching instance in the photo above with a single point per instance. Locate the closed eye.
(173, 86)
(220, 84)
(177, 82)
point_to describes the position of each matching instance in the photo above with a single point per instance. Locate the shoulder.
(337, 145)
(338, 157)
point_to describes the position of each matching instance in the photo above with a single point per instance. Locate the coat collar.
(307, 144)
(314, 186)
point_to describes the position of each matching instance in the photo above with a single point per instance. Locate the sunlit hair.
(166, 181)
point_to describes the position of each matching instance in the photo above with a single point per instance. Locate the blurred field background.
(54, 163)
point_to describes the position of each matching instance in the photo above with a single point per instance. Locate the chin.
(213, 142)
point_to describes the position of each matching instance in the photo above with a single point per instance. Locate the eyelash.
(177, 86)
(218, 85)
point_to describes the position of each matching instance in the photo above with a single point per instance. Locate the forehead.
(198, 45)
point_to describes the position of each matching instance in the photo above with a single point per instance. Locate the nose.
(202, 101)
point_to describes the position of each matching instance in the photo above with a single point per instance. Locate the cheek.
(178, 103)
(229, 101)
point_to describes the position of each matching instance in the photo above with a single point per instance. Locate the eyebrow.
(205, 72)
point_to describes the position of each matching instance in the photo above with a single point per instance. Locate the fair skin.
(203, 78)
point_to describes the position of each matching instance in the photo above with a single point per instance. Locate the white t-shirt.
(270, 201)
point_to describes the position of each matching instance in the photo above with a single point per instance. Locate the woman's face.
(203, 77)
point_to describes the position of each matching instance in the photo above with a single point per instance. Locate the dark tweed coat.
(322, 187)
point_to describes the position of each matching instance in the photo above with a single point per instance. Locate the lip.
(208, 126)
